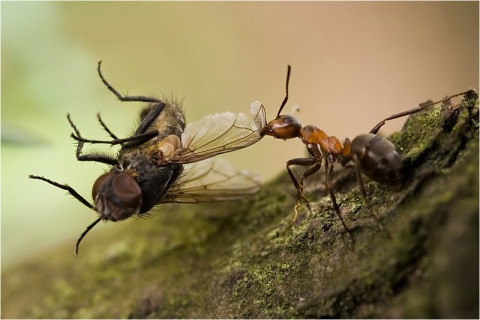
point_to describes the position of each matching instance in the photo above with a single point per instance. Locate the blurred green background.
(353, 64)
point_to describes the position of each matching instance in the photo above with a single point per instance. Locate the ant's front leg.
(314, 167)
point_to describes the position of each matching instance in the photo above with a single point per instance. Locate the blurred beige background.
(353, 64)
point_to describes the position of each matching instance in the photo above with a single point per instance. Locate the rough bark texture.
(238, 259)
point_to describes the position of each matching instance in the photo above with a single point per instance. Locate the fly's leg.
(84, 233)
(67, 188)
(125, 143)
(148, 120)
(77, 196)
(104, 126)
(123, 97)
(90, 157)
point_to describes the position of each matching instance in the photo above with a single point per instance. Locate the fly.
(161, 161)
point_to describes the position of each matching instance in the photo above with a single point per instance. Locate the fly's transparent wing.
(212, 180)
(258, 113)
(220, 133)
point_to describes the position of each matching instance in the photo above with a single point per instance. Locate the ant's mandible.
(371, 154)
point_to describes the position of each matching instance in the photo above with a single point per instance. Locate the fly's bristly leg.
(123, 97)
(125, 142)
(104, 126)
(90, 157)
(150, 118)
(84, 233)
(67, 188)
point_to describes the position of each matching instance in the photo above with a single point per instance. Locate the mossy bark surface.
(239, 259)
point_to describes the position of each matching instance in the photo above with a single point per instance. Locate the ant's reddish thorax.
(328, 144)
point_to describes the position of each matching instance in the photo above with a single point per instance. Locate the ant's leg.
(412, 111)
(311, 170)
(328, 172)
(299, 186)
(122, 97)
(365, 197)
(66, 187)
(334, 199)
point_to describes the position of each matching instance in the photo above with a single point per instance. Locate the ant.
(371, 154)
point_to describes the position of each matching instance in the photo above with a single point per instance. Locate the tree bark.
(240, 259)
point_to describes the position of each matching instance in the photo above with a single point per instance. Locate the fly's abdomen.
(155, 181)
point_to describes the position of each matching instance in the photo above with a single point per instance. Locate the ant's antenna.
(286, 94)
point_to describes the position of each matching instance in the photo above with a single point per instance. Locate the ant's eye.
(127, 190)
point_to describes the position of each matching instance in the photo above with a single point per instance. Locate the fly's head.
(117, 196)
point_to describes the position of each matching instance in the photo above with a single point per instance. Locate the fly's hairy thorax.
(143, 161)
(171, 120)
(170, 125)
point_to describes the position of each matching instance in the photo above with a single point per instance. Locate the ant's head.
(283, 126)
(117, 196)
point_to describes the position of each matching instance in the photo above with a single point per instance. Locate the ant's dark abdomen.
(378, 158)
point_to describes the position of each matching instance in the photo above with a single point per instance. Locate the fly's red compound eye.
(127, 190)
(100, 184)
(122, 187)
